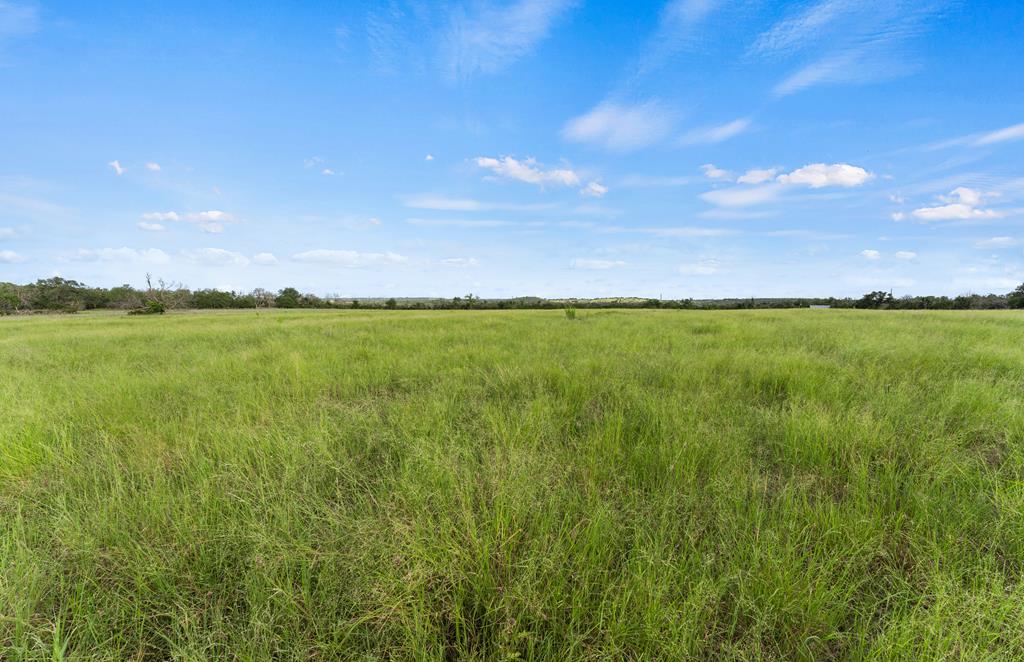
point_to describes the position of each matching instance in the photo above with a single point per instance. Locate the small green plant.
(570, 313)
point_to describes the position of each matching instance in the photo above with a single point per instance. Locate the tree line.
(61, 295)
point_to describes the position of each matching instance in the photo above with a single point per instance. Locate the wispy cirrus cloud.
(486, 37)
(529, 171)
(123, 254)
(715, 134)
(621, 127)
(211, 222)
(846, 41)
(445, 203)
(349, 259)
(10, 257)
(596, 265)
(678, 29)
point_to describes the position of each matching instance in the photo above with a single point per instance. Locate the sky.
(689, 148)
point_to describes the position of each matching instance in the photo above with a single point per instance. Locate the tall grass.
(470, 485)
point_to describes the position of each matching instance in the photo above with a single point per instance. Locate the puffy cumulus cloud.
(757, 176)
(871, 254)
(716, 134)
(264, 259)
(149, 226)
(349, 259)
(460, 262)
(621, 127)
(905, 255)
(216, 257)
(597, 264)
(711, 171)
(429, 157)
(820, 175)
(528, 171)
(997, 242)
(153, 167)
(208, 221)
(10, 257)
(123, 254)
(118, 169)
(701, 268)
(594, 190)
(961, 205)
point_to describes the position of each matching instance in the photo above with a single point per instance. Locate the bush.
(570, 313)
(151, 308)
(1016, 298)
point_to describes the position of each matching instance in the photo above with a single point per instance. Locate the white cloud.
(898, 216)
(712, 171)
(871, 254)
(716, 134)
(264, 259)
(997, 242)
(742, 196)
(153, 167)
(597, 264)
(116, 165)
(10, 257)
(849, 41)
(655, 181)
(217, 257)
(677, 29)
(17, 19)
(349, 259)
(701, 268)
(458, 222)
(820, 175)
(682, 232)
(962, 204)
(328, 172)
(442, 203)
(123, 254)
(150, 227)
(594, 190)
(429, 157)
(208, 221)
(460, 262)
(493, 37)
(527, 171)
(621, 128)
(758, 176)
(312, 161)
(1015, 132)
(6, 233)
(905, 255)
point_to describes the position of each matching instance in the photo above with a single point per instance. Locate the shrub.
(570, 313)
(151, 308)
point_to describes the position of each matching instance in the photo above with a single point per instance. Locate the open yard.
(492, 485)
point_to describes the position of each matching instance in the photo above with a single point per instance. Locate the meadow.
(392, 485)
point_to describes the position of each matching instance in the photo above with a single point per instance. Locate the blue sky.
(698, 148)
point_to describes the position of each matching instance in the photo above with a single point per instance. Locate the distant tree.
(9, 299)
(470, 300)
(391, 304)
(876, 299)
(169, 295)
(57, 294)
(1015, 299)
(289, 297)
(207, 299)
(262, 298)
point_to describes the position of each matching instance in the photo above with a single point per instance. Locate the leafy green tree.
(1015, 299)
(289, 297)
(877, 299)
(57, 294)
(9, 299)
(391, 304)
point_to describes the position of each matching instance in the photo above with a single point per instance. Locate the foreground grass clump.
(468, 485)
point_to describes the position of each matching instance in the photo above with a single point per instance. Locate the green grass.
(485, 485)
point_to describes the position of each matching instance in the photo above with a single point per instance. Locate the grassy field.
(492, 485)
